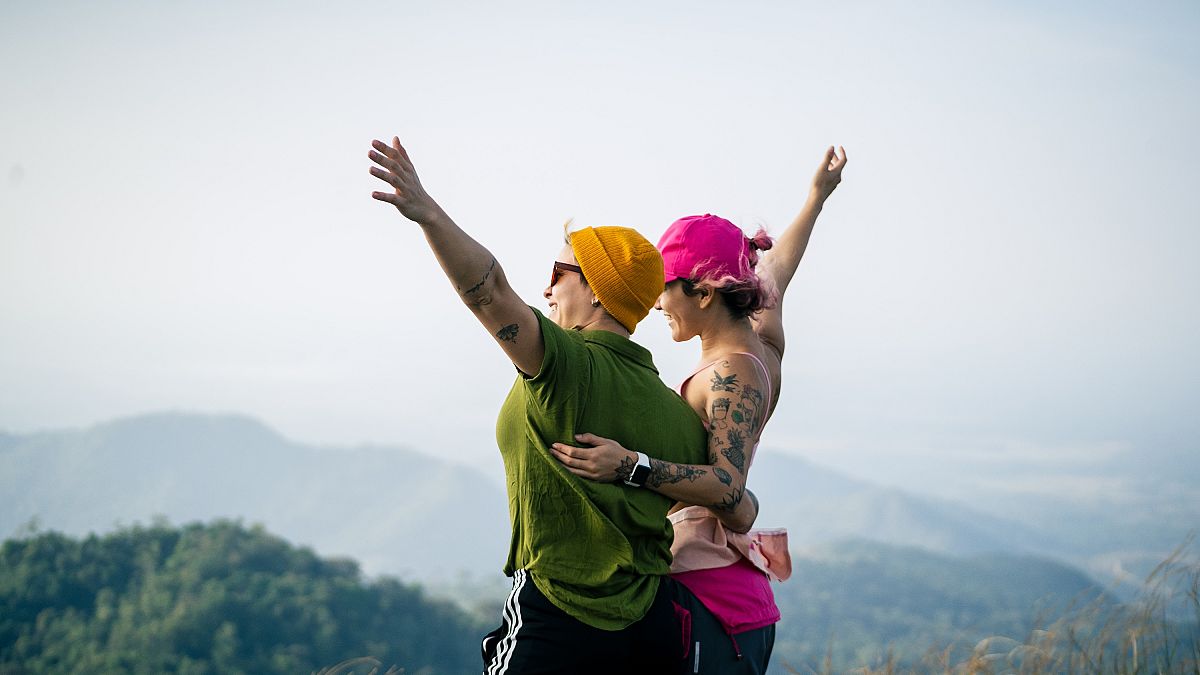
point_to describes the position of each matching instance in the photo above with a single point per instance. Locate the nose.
(546, 293)
(658, 301)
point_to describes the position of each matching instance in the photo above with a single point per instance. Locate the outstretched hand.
(829, 173)
(606, 461)
(396, 169)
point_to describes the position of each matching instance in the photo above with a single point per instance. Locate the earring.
(595, 302)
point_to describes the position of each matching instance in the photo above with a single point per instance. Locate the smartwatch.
(640, 473)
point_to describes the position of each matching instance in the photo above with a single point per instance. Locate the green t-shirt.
(595, 550)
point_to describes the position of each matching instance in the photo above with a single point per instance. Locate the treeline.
(214, 598)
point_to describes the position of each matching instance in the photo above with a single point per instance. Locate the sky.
(1002, 283)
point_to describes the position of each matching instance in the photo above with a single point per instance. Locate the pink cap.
(706, 246)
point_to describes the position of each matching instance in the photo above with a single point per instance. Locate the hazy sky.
(1004, 278)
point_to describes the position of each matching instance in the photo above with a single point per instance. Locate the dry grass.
(1157, 633)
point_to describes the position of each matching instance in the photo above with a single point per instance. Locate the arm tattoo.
(625, 470)
(720, 411)
(754, 500)
(723, 383)
(508, 333)
(662, 473)
(734, 453)
(749, 409)
(722, 475)
(729, 502)
(486, 274)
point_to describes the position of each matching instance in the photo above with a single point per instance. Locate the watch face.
(640, 473)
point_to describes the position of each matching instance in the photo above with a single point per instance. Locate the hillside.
(218, 598)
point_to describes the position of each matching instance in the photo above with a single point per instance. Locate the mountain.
(421, 516)
(818, 505)
(393, 509)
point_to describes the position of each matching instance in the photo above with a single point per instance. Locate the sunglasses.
(560, 268)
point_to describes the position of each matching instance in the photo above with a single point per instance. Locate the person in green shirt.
(589, 560)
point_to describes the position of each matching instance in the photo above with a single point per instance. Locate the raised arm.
(474, 272)
(733, 400)
(779, 265)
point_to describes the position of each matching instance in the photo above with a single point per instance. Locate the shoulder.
(736, 393)
(730, 373)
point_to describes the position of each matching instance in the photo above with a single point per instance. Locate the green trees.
(216, 598)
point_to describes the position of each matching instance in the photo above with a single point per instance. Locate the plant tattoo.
(735, 452)
(625, 470)
(729, 502)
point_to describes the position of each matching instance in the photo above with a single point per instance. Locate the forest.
(212, 598)
(224, 597)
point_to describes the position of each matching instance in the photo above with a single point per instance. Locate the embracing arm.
(474, 272)
(735, 406)
(779, 265)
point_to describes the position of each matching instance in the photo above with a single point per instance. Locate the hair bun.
(761, 241)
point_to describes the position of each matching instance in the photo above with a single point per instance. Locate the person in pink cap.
(716, 289)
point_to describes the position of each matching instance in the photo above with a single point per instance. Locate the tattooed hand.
(605, 461)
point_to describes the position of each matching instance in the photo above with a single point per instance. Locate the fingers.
(395, 154)
(827, 160)
(400, 149)
(579, 467)
(388, 177)
(389, 197)
(839, 160)
(387, 162)
(592, 439)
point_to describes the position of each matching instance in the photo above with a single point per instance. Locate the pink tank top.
(729, 571)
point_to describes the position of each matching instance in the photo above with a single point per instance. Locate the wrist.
(640, 473)
(436, 218)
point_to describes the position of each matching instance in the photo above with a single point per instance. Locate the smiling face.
(570, 298)
(682, 311)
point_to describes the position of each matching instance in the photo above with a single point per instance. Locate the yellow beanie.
(623, 269)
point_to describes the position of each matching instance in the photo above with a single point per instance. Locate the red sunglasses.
(560, 267)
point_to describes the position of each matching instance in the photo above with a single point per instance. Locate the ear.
(704, 295)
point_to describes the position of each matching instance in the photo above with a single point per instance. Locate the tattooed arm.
(779, 265)
(733, 401)
(475, 274)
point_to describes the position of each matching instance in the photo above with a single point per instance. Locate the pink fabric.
(702, 542)
(698, 246)
(739, 595)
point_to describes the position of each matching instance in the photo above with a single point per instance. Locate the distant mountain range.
(414, 514)
(392, 509)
